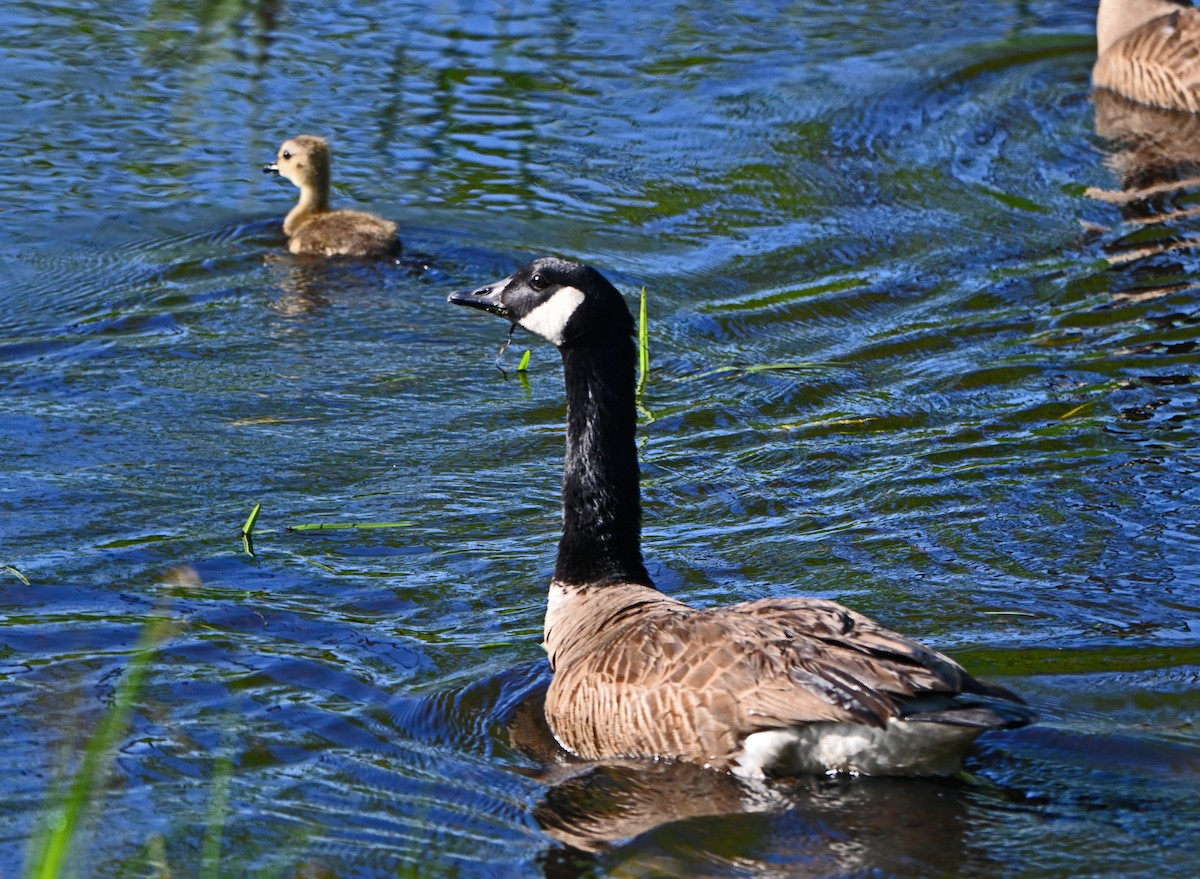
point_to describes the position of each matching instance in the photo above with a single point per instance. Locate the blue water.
(985, 435)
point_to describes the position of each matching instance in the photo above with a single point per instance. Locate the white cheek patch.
(549, 320)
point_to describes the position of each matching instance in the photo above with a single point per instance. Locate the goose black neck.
(602, 509)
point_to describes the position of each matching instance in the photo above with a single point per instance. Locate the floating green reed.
(248, 530)
(16, 574)
(1077, 410)
(52, 845)
(346, 526)
(749, 368)
(524, 364)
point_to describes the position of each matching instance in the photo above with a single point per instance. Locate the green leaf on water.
(524, 364)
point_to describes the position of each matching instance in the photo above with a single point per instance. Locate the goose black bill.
(486, 298)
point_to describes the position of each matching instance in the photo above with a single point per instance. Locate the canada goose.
(1149, 51)
(771, 687)
(311, 226)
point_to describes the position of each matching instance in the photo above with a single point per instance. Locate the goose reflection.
(1153, 153)
(1152, 135)
(676, 817)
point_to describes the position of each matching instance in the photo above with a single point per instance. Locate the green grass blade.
(214, 824)
(524, 364)
(643, 344)
(52, 845)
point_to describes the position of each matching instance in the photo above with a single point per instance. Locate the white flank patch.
(900, 748)
(549, 320)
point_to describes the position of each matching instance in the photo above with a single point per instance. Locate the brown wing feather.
(678, 682)
(1157, 64)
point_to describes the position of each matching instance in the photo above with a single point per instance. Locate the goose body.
(1149, 51)
(311, 227)
(771, 687)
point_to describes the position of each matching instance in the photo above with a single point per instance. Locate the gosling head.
(564, 302)
(304, 160)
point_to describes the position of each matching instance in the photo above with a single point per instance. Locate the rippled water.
(986, 438)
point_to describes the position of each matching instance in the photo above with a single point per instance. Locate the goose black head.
(564, 302)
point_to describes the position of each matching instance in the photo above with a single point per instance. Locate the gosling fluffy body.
(771, 687)
(311, 227)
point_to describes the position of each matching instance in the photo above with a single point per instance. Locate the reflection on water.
(688, 822)
(945, 410)
(1156, 158)
(1152, 148)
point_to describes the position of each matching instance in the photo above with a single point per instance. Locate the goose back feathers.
(1149, 51)
(777, 686)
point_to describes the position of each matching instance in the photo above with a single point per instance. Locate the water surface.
(988, 440)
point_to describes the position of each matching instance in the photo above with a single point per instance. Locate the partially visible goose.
(1149, 51)
(311, 226)
(772, 687)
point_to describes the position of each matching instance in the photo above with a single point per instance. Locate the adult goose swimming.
(312, 228)
(779, 686)
(1149, 51)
